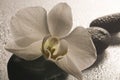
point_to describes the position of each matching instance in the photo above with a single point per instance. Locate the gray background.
(84, 11)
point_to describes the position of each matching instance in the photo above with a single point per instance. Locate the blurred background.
(84, 11)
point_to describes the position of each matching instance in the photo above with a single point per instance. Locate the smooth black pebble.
(109, 22)
(39, 69)
(101, 38)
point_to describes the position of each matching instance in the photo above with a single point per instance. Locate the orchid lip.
(50, 48)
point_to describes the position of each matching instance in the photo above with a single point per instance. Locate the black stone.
(101, 38)
(39, 69)
(109, 22)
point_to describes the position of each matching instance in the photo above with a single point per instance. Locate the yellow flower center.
(51, 48)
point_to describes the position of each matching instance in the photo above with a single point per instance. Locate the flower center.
(51, 48)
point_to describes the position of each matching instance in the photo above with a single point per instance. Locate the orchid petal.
(29, 23)
(60, 20)
(75, 61)
(31, 52)
(81, 53)
(81, 39)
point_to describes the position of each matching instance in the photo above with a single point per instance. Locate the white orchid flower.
(37, 34)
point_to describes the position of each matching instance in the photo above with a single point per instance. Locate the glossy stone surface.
(39, 69)
(109, 22)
